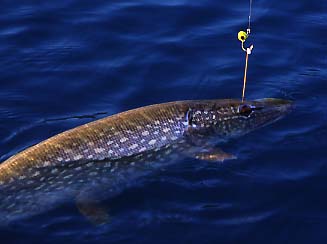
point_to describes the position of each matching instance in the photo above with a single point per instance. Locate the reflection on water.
(71, 58)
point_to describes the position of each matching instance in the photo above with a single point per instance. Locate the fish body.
(110, 153)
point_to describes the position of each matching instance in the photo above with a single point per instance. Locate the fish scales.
(116, 136)
(101, 158)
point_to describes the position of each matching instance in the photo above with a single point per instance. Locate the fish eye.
(245, 110)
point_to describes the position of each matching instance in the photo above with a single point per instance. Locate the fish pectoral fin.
(93, 210)
(213, 155)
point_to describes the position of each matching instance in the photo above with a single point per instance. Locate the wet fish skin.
(111, 152)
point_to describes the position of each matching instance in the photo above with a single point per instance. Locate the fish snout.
(283, 106)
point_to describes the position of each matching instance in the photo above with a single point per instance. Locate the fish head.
(232, 118)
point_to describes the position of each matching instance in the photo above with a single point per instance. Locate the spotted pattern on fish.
(108, 138)
(112, 151)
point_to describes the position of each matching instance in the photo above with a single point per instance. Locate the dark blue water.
(65, 63)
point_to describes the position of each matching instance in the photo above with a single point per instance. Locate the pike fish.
(104, 157)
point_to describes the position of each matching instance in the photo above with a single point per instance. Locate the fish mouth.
(283, 106)
(269, 110)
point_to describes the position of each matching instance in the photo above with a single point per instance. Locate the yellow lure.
(242, 36)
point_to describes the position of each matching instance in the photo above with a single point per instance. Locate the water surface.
(66, 63)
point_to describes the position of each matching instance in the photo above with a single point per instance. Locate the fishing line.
(242, 36)
(250, 13)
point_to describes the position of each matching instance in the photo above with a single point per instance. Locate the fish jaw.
(225, 119)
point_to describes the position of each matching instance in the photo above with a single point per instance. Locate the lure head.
(230, 118)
